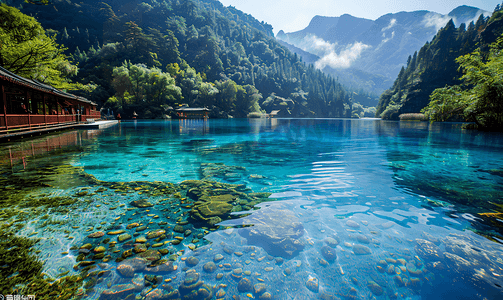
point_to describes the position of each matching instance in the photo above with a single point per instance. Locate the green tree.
(26, 50)
(139, 85)
(247, 98)
(480, 96)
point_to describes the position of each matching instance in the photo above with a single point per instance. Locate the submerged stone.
(332, 242)
(375, 288)
(312, 284)
(278, 231)
(123, 237)
(209, 267)
(328, 253)
(245, 285)
(352, 224)
(96, 234)
(120, 291)
(361, 250)
(142, 203)
(427, 250)
(191, 261)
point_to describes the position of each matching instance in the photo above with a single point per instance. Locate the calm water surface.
(357, 209)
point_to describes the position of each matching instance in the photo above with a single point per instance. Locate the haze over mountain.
(357, 50)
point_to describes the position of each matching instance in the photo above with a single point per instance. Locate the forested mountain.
(435, 66)
(200, 52)
(376, 49)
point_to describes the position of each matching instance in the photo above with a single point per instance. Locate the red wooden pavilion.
(28, 105)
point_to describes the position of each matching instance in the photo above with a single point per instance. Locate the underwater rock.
(120, 291)
(209, 267)
(164, 268)
(362, 239)
(245, 285)
(413, 270)
(218, 257)
(312, 284)
(127, 253)
(352, 224)
(125, 270)
(265, 296)
(191, 282)
(179, 229)
(129, 266)
(468, 249)
(398, 280)
(328, 253)
(361, 250)
(116, 232)
(332, 242)
(123, 237)
(99, 249)
(427, 250)
(132, 225)
(155, 234)
(156, 294)
(142, 203)
(150, 255)
(375, 288)
(214, 206)
(96, 234)
(278, 231)
(191, 261)
(138, 248)
(141, 239)
(141, 228)
(259, 288)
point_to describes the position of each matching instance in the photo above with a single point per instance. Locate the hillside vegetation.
(147, 56)
(437, 66)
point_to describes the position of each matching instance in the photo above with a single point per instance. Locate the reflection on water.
(271, 209)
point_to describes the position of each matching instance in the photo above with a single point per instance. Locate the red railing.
(32, 122)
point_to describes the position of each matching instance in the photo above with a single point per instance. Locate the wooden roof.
(192, 109)
(39, 86)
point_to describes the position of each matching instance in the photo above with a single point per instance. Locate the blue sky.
(293, 15)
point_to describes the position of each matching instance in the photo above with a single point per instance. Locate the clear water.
(360, 209)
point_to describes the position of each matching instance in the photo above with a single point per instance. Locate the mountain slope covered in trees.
(435, 66)
(202, 53)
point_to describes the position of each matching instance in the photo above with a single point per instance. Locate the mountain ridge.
(380, 46)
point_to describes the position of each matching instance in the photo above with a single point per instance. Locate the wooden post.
(57, 110)
(27, 105)
(4, 99)
(45, 113)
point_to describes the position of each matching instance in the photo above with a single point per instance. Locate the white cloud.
(385, 40)
(345, 57)
(328, 52)
(436, 20)
(474, 20)
(392, 23)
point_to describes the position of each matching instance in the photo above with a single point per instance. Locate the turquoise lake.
(264, 209)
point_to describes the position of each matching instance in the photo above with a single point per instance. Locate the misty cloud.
(328, 52)
(344, 59)
(392, 23)
(436, 20)
(385, 40)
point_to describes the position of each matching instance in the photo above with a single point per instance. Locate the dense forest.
(445, 63)
(149, 56)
